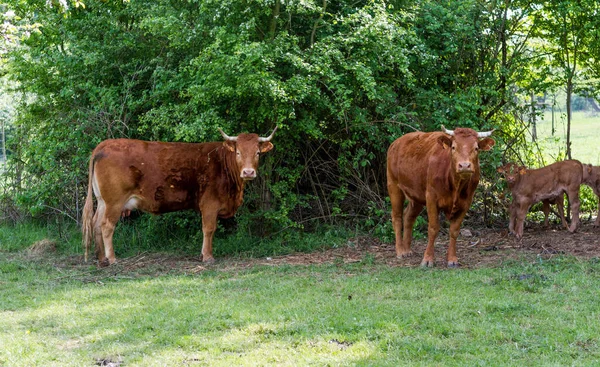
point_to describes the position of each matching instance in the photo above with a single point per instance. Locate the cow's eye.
(238, 153)
(257, 153)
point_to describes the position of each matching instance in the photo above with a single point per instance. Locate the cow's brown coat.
(438, 171)
(529, 186)
(160, 177)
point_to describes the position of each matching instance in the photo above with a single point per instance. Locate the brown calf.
(529, 186)
(439, 170)
(159, 177)
(510, 171)
(591, 177)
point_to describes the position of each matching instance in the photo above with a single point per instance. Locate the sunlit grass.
(362, 314)
(585, 136)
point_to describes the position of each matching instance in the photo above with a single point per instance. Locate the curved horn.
(449, 132)
(227, 137)
(485, 134)
(268, 138)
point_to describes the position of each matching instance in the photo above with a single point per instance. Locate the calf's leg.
(573, 195)
(546, 210)
(560, 206)
(521, 212)
(597, 221)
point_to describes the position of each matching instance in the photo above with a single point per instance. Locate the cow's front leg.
(454, 232)
(209, 226)
(432, 231)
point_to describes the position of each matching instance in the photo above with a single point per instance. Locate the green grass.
(365, 314)
(585, 136)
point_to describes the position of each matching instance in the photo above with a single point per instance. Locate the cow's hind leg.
(397, 199)
(99, 243)
(411, 213)
(108, 223)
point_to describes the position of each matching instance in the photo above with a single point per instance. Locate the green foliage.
(341, 80)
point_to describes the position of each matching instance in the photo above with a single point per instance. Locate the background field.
(585, 134)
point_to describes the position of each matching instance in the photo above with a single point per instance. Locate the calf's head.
(511, 173)
(465, 145)
(591, 175)
(248, 148)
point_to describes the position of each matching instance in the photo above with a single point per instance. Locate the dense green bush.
(341, 80)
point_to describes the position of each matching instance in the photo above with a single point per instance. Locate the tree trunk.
(569, 95)
(274, 18)
(533, 126)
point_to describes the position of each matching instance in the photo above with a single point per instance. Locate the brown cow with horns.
(439, 170)
(159, 177)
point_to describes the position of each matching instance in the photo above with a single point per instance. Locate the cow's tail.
(87, 227)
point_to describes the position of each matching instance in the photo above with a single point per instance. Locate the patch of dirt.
(476, 248)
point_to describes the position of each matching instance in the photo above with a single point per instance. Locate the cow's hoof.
(208, 260)
(103, 263)
(404, 254)
(427, 264)
(453, 264)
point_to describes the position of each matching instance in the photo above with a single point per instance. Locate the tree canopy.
(340, 79)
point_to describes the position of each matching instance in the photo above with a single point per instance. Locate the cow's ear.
(522, 170)
(445, 141)
(265, 147)
(589, 168)
(500, 169)
(486, 144)
(229, 145)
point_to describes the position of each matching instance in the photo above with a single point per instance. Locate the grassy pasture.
(55, 312)
(585, 136)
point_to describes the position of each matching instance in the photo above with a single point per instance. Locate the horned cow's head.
(465, 145)
(248, 148)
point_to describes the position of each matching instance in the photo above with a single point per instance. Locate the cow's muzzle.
(465, 168)
(248, 174)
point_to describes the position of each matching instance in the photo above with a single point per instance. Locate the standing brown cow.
(439, 170)
(533, 185)
(591, 177)
(160, 177)
(510, 171)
